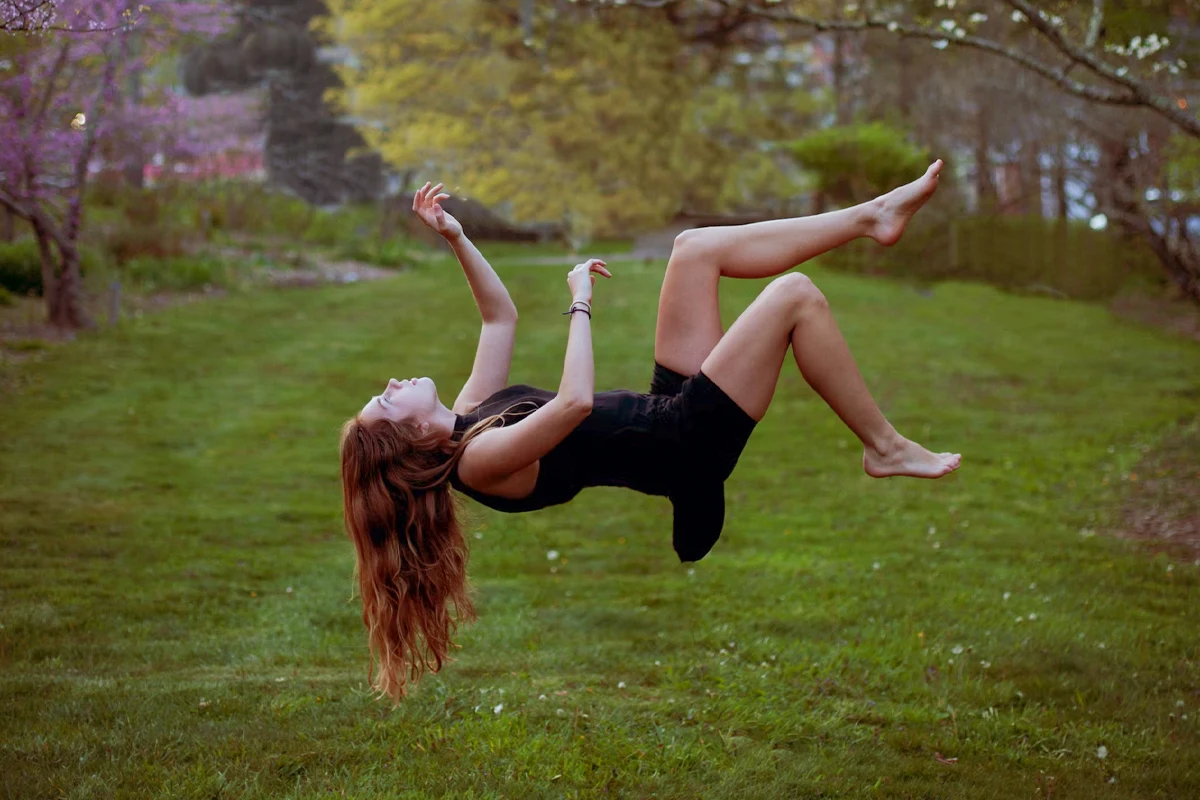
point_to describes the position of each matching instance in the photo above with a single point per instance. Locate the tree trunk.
(8, 228)
(985, 189)
(1062, 204)
(67, 310)
(1031, 180)
(1121, 198)
(842, 106)
(907, 88)
(134, 169)
(49, 266)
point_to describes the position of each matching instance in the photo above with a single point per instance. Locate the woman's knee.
(687, 245)
(796, 290)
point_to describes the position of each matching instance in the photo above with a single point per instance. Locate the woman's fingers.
(441, 197)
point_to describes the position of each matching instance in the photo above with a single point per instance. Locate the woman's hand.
(427, 202)
(581, 279)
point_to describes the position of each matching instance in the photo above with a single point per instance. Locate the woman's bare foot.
(903, 457)
(895, 209)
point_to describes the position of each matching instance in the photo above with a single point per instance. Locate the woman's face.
(413, 400)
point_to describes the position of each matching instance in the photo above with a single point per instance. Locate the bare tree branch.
(1097, 22)
(19, 21)
(1143, 95)
(1133, 92)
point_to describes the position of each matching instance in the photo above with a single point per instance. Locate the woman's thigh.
(746, 362)
(689, 312)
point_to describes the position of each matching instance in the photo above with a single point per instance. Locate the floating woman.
(519, 448)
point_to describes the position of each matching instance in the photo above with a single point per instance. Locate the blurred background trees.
(1069, 128)
(308, 150)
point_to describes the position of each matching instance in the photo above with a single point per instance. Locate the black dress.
(680, 441)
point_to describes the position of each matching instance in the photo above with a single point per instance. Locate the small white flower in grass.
(732, 644)
(691, 572)
(553, 570)
(1101, 645)
(1179, 704)
(950, 662)
(1032, 616)
(958, 648)
(1020, 619)
(478, 534)
(203, 703)
(620, 684)
(932, 530)
(1112, 779)
(477, 708)
(498, 708)
(772, 656)
(561, 712)
(1007, 595)
(1170, 567)
(280, 680)
(658, 663)
(1017, 16)
(978, 17)
(893, 27)
(1101, 752)
(985, 664)
(937, 545)
(1032, 586)
(289, 590)
(551, 555)
(541, 697)
(875, 565)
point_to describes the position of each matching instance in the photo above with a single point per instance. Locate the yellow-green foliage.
(605, 122)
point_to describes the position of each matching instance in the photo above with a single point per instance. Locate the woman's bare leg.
(792, 311)
(689, 318)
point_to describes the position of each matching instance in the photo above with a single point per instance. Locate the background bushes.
(1015, 253)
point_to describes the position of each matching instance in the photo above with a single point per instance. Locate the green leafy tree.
(853, 163)
(606, 122)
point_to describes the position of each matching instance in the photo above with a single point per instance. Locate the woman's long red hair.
(411, 553)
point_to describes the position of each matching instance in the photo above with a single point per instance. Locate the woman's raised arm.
(493, 356)
(497, 454)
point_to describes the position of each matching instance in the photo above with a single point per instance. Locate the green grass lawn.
(176, 598)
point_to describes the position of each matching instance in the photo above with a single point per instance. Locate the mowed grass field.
(176, 588)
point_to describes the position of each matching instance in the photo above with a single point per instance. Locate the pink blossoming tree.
(62, 95)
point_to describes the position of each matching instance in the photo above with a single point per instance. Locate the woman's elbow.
(580, 406)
